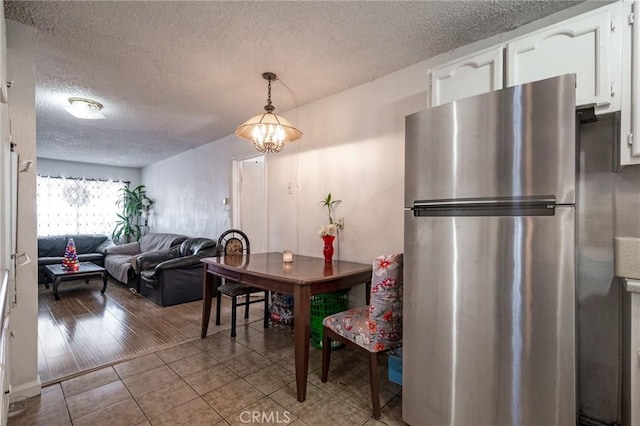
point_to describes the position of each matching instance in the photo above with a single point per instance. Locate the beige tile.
(265, 343)
(96, 399)
(177, 352)
(212, 378)
(211, 342)
(123, 413)
(138, 365)
(247, 363)
(383, 377)
(298, 423)
(374, 422)
(165, 398)
(243, 331)
(222, 423)
(193, 413)
(264, 412)
(150, 380)
(336, 413)
(284, 357)
(192, 364)
(226, 352)
(271, 379)
(358, 394)
(232, 397)
(343, 371)
(46, 409)
(288, 398)
(391, 414)
(89, 381)
(146, 423)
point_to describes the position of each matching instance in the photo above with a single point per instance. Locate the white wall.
(21, 43)
(188, 189)
(51, 167)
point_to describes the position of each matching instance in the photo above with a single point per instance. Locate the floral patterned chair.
(373, 329)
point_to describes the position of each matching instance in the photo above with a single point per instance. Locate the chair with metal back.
(373, 329)
(235, 243)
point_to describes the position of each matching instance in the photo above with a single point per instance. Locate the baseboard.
(26, 389)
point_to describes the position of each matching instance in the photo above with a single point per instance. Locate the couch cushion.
(52, 260)
(118, 266)
(153, 242)
(51, 246)
(87, 243)
(192, 246)
(96, 258)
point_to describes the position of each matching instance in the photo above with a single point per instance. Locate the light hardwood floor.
(85, 330)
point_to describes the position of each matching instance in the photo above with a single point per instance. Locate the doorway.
(250, 200)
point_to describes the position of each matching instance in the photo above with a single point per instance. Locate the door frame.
(236, 208)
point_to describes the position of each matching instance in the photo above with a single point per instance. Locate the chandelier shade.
(267, 131)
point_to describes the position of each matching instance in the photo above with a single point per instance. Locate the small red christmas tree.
(70, 261)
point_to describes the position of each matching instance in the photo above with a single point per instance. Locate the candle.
(287, 256)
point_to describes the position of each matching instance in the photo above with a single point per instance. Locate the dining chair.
(373, 329)
(235, 243)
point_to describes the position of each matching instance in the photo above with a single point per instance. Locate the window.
(76, 206)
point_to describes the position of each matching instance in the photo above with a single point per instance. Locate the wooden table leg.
(104, 282)
(301, 331)
(207, 295)
(56, 283)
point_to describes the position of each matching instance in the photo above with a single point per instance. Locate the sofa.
(173, 276)
(90, 248)
(120, 260)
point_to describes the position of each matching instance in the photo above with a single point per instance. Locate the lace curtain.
(76, 206)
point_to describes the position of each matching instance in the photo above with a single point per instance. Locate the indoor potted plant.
(133, 222)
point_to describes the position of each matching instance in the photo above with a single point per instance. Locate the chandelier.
(267, 131)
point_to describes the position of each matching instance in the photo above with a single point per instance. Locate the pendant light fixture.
(267, 131)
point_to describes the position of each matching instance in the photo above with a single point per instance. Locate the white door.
(250, 206)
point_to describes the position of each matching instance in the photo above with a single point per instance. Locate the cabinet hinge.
(631, 19)
(613, 88)
(630, 138)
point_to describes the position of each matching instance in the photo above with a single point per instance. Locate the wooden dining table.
(304, 277)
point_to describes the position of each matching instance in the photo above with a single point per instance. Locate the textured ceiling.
(178, 74)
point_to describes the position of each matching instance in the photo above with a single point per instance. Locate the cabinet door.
(630, 114)
(469, 76)
(589, 46)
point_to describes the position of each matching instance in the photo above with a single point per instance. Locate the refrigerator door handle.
(501, 206)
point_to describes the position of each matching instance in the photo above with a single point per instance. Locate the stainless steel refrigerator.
(489, 273)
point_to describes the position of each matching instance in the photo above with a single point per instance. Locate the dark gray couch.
(90, 248)
(172, 276)
(120, 260)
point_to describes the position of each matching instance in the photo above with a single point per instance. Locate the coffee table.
(87, 270)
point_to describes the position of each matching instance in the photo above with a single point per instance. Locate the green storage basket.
(323, 305)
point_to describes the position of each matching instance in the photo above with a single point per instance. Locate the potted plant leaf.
(133, 222)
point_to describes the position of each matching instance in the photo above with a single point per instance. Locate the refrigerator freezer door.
(489, 320)
(518, 141)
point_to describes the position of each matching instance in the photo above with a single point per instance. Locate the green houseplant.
(133, 222)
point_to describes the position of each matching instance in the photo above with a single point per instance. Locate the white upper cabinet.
(468, 76)
(629, 152)
(588, 45)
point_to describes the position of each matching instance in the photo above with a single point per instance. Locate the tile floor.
(218, 381)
